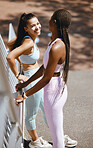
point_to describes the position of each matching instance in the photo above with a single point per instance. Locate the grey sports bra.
(31, 58)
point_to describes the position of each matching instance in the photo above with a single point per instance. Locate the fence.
(11, 116)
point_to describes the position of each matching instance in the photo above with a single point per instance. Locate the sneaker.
(35, 144)
(39, 143)
(45, 143)
(69, 142)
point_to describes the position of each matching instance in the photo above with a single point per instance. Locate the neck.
(54, 35)
(33, 37)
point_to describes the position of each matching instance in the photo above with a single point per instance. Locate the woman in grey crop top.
(24, 48)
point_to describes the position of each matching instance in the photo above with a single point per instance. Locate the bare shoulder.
(58, 46)
(28, 42)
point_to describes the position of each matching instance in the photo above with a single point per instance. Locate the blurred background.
(81, 30)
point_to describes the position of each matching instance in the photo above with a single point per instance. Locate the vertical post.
(22, 105)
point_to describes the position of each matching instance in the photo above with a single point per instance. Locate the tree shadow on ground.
(81, 27)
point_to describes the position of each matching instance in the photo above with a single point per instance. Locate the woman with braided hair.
(55, 72)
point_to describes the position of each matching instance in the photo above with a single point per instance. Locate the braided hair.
(63, 20)
(20, 30)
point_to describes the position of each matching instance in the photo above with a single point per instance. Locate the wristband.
(24, 95)
(18, 75)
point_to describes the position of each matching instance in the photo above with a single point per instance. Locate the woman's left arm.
(54, 57)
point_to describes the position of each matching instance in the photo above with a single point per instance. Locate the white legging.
(53, 105)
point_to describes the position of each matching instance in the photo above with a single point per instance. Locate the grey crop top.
(31, 58)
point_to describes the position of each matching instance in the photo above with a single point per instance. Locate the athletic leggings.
(54, 101)
(33, 102)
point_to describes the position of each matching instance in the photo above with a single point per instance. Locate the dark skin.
(57, 55)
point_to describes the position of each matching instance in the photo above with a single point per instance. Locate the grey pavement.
(78, 110)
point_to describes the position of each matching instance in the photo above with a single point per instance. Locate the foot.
(69, 142)
(39, 143)
(35, 144)
(45, 143)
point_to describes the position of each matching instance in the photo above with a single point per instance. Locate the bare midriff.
(30, 66)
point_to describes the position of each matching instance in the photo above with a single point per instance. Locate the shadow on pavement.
(81, 30)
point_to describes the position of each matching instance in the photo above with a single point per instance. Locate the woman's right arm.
(11, 43)
(10, 46)
(14, 54)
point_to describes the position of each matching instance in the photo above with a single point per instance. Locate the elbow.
(8, 44)
(8, 58)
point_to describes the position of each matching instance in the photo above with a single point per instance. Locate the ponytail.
(21, 33)
(63, 20)
(65, 39)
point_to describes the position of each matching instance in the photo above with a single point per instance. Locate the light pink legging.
(53, 105)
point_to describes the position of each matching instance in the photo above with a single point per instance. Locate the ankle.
(33, 134)
(35, 138)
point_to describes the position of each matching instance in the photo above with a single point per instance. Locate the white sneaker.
(39, 143)
(35, 144)
(69, 142)
(45, 143)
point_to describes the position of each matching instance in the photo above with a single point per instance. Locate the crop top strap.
(36, 40)
(27, 36)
